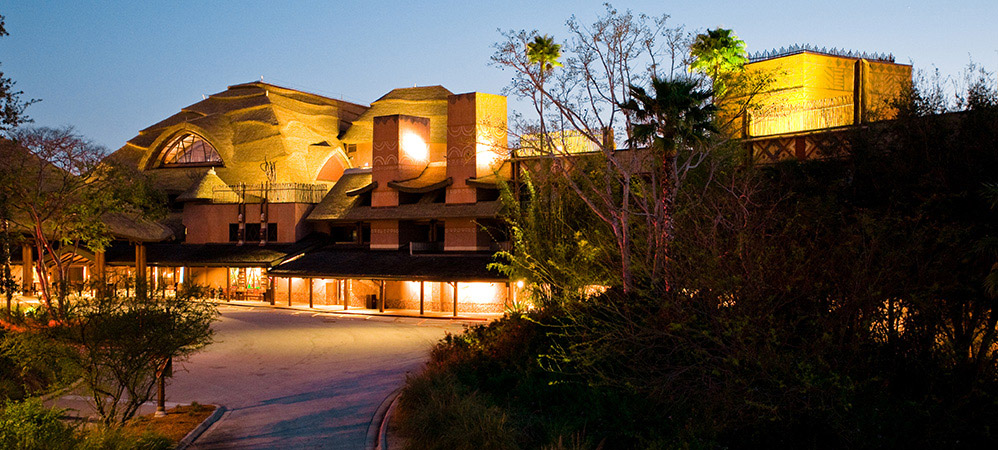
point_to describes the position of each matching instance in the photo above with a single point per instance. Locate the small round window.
(190, 150)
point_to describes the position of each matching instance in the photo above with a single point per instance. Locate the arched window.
(190, 150)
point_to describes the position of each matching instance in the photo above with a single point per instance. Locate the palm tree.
(675, 117)
(716, 54)
(545, 53)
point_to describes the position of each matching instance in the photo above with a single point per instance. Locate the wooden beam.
(311, 281)
(381, 297)
(289, 291)
(422, 293)
(455, 299)
(343, 288)
(27, 268)
(141, 283)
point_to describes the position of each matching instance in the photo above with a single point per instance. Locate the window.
(252, 232)
(190, 150)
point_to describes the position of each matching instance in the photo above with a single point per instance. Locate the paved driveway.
(300, 380)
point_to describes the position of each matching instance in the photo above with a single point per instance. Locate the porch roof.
(333, 262)
(199, 255)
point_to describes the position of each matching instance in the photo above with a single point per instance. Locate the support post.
(27, 269)
(161, 400)
(342, 285)
(311, 281)
(289, 291)
(422, 294)
(455, 299)
(381, 297)
(228, 282)
(141, 283)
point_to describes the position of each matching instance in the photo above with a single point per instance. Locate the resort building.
(292, 198)
(813, 96)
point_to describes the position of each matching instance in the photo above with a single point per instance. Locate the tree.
(59, 189)
(545, 53)
(118, 345)
(603, 60)
(677, 118)
(718, 53)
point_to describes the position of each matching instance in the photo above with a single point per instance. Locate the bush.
(29, 425)
(121, 439)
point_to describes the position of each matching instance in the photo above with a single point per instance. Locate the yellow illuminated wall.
(813, 91)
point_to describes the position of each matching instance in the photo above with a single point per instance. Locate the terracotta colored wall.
(463, 235)
(384, 235)
(401, 151)
(476, 140)
(209, 223)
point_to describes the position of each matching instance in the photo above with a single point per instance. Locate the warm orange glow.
(488, 158)
(594, 289)
(414, 147)
(481, 292)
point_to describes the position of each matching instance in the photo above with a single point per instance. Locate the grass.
(176, 424)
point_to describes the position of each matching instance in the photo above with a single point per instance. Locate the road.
(293, 379)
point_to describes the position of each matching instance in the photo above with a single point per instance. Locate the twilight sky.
(111, 68)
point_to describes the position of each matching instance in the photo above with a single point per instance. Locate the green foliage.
(122, 439)
(718, 54)
(544, 52)
(30, 426)
(557, 248)
(116, 345)
(472, 422)
(32, 365)
(676, 116)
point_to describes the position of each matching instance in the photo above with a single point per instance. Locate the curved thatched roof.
(424, 101)
(135, 228)
(204, 189)
(249, 124)
(336, 202)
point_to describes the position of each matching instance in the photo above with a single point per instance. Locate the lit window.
(190, 149)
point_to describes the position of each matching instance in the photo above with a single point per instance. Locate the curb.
(375, 430)
(383, 432)
(200, 429)
(62, 391)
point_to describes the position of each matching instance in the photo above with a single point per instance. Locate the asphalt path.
(293, 379)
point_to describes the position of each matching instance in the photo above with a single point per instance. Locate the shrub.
(28, 426)
(121, 439)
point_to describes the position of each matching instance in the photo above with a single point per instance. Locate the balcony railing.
(271, 192)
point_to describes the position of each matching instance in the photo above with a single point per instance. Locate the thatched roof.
(336, 202)
(333, 262)
(433, 177)
(425, 101)
(135, 228)
(249, 124)
(212, 255)
(204, 189)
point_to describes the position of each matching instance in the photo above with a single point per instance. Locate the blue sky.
(111, 68)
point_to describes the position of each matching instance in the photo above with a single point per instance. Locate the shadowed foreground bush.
(29, 425)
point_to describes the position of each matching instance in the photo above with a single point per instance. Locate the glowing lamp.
(415, 148)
